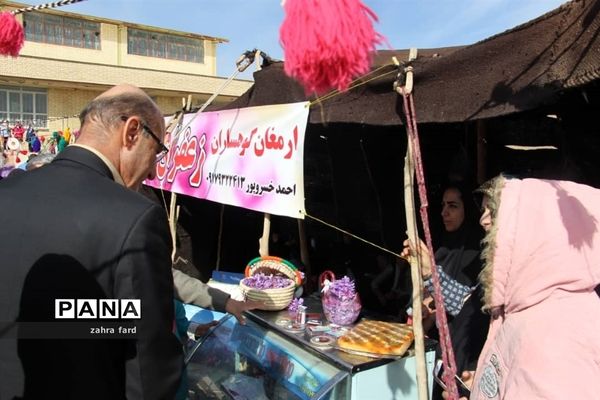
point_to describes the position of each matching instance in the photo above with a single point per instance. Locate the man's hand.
(201, 329)
(236, 308)
(422, 252)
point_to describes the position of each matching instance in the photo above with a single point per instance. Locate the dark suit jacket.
(69, 231)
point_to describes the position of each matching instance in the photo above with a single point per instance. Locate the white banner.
(249, 157)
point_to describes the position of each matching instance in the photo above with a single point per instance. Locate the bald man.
(79, 230)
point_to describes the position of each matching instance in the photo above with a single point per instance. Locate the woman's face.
(453, 210)
(486, 215)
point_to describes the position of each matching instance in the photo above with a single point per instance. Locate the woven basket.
(273, 299)
(271, 265)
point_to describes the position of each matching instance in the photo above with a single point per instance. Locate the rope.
(206, 104)
(241, 66)
(354, 236)
(353, 84)
(162, 194)
(42, 6)
(442, 323)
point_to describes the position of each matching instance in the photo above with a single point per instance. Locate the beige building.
(70, 58)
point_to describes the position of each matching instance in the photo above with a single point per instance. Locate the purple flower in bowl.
(293, 307)
(340, 301)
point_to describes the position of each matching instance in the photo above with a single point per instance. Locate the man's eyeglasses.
(162, 149)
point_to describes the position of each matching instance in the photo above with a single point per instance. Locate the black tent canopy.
(518, 70)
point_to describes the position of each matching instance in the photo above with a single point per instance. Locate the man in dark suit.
(77, 229)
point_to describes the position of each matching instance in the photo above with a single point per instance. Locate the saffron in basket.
(262, 281)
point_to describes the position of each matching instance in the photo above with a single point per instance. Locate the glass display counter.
(261, 360)
(248, 362)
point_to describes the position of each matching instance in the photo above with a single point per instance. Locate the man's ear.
(131, 132)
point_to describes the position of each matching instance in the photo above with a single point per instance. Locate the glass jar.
(340, 311)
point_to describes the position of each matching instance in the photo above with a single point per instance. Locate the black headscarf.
(459, 251)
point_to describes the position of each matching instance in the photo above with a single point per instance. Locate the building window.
(63, 31)
(27, 105)
(152, 44)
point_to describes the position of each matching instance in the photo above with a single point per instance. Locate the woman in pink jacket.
(542, 264)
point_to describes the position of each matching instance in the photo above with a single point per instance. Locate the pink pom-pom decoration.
(12, 36)
(327, 43)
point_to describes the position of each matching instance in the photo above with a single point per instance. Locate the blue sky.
(252, 24)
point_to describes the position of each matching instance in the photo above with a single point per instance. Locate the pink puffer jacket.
(542, 265)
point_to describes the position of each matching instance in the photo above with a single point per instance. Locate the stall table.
(263, 360)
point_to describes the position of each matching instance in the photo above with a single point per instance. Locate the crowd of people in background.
(20, 143)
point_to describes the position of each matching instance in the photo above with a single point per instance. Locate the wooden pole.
(257, 60)
(304, 257)
(415, 272)
(263, 242)
(173, 224)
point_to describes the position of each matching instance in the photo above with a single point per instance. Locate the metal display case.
(261, 360)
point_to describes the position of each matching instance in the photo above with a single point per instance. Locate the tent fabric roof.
(518, 70)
